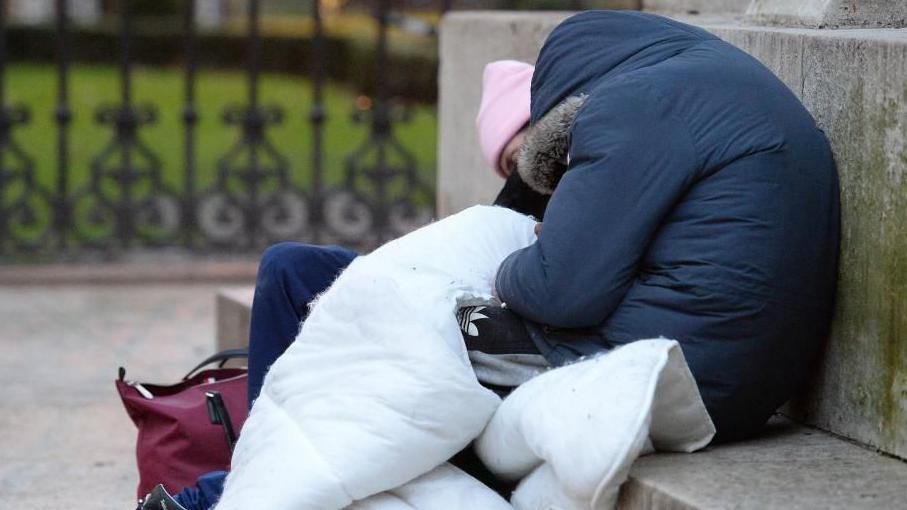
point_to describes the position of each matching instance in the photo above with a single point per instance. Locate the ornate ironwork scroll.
(26, 214)
(126, 200)
(382, 195)
(253, 201)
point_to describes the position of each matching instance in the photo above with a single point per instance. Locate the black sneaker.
(158, 499)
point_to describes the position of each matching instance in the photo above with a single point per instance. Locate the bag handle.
(218, 414)
(221, 357)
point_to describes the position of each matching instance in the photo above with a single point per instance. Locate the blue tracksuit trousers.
(290, 275)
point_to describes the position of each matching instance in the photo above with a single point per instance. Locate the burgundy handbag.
(189, 428)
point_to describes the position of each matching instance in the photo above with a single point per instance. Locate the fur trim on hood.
(542, 160)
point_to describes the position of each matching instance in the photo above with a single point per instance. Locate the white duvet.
(377, 392)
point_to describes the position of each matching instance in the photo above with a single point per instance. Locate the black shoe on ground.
(158, 499)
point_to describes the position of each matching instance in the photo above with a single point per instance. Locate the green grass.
(35, 87)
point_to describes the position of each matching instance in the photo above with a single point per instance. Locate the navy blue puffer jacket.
(700, 203)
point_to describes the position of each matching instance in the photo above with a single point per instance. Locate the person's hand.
(538, 229)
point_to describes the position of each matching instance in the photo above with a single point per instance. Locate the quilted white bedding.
(377, 392)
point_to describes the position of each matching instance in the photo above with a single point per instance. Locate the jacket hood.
(543, 157)
(582, 53)
(594, 46)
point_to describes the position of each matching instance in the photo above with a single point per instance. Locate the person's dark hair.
(517, 195)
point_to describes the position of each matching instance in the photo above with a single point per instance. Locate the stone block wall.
(697, 6)
(854, 81)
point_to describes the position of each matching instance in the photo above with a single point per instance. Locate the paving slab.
(65, 439)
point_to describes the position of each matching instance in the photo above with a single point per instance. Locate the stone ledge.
(233, 315)
(789, 466)
(829, 13)
(696, 6)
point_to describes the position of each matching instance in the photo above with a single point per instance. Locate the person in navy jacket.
(692, 197)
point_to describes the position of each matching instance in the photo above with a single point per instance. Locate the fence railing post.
(126, 126)
(6, 176)
(190, 121)
(317, 117)
(254, 125)
(26, 212)
(62, 116)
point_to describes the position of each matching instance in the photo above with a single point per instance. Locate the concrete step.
(789, 466)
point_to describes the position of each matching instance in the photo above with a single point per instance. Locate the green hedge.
(413, 77)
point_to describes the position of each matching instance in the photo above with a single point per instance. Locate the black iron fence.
(253, 201)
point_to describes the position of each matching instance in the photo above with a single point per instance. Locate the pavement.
(65, 439)
(133, 272)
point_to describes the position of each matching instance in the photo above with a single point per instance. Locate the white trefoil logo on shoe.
(468, 315)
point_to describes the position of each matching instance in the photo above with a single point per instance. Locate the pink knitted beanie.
(505, 107)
